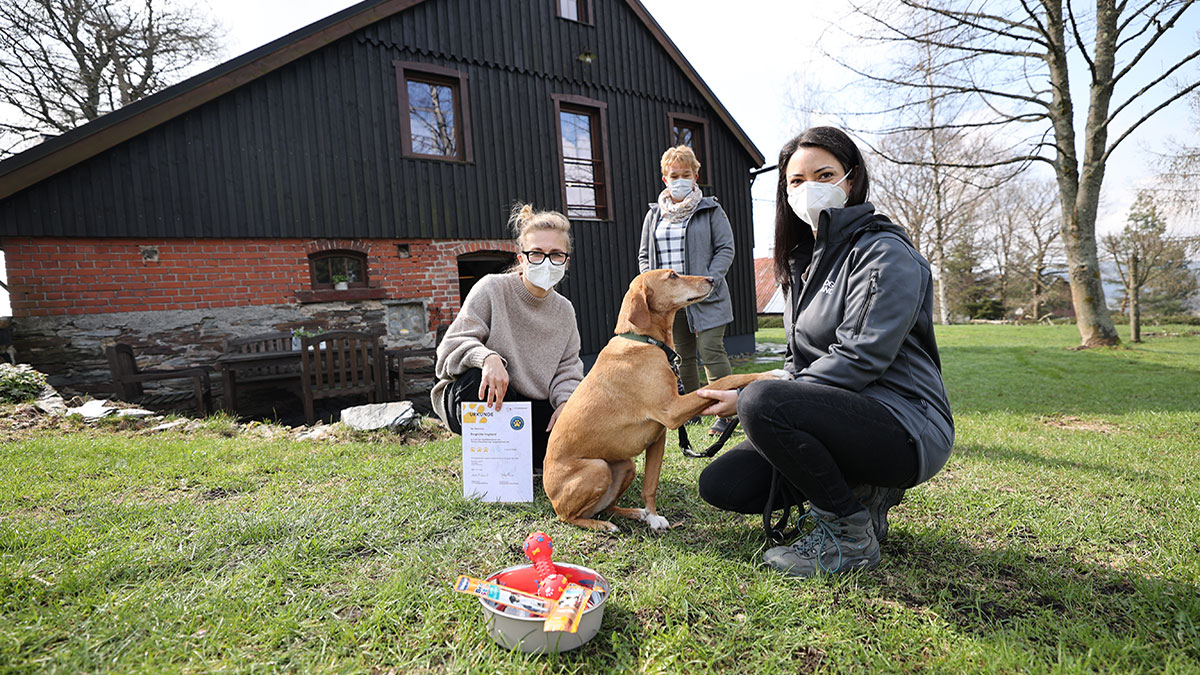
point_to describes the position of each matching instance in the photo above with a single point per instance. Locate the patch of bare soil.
(1079, 424)
(24, 419)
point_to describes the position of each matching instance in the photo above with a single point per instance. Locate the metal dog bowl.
(513, 628)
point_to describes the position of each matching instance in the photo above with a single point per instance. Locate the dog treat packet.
(568, 610)
(503, 595)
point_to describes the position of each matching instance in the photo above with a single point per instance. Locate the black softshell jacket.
(859, 315)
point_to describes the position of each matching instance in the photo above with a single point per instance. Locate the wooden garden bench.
(341, 363)
(128, 380)
(257, 361)
(399, 372)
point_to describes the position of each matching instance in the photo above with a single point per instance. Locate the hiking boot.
(720, 426)
(834, 546)
(878, 500)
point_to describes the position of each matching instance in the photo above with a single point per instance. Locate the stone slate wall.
(73, 297)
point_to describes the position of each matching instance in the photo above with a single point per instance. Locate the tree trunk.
(940, 263)
(1037, 292)
(1135, 308)
(1079, 191)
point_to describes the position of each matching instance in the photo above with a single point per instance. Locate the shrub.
(989, 308)
(1181, 319)
(770, 321)
(19, 383)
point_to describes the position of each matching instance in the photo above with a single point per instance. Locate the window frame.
(337, 253)
(598, 111)
(585, 12)
(704, 155)
(431, 74)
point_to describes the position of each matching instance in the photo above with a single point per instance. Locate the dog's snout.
(711, 281)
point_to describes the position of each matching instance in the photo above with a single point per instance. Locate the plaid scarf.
(675, 213)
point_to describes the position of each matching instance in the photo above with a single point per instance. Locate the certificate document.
(497, 450)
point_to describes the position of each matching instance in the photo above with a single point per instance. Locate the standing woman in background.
(866, 415)
(690, 233)
(515, 336)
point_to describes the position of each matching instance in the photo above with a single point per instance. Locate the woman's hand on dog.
(553, 418)
(724, 403)
(494, 384)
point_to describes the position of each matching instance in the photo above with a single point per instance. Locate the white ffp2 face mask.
(809, 198)
(680, 188)
(545, 275)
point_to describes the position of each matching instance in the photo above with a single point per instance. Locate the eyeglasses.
(557, 258)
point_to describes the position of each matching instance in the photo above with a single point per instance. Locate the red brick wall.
(57, 277)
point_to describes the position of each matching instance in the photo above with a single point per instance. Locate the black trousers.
(823, 440)
(466, 388)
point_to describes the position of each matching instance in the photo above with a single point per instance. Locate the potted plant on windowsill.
(341, 282)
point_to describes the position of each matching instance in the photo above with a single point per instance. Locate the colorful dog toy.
(539, 548)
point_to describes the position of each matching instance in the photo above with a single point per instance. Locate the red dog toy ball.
(539, 548)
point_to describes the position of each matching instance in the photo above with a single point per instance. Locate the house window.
(434, 121)
(583, 151)
(329, 266)
(575, 10)
(690, 131)
(473, 266)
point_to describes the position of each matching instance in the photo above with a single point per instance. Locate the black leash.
(782, 496)
(686, 445)
(674, 359)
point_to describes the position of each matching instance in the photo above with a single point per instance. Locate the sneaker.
(878, 500)
(720, 426)
(834, 546)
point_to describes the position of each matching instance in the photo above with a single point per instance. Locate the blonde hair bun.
(524, 219)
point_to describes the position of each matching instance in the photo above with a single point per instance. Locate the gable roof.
(61, 152)
(768, 295)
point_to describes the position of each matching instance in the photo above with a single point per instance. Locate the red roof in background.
(764, 282)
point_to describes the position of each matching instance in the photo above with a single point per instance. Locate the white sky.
(748, 53)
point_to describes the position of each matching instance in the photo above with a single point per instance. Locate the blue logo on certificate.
(517, 423)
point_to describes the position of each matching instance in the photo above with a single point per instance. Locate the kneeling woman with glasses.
(515, 337)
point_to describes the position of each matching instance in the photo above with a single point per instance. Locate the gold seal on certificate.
(497, 451)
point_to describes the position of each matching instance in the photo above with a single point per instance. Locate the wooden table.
(280, 366)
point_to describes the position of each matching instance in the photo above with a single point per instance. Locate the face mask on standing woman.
(680, 188)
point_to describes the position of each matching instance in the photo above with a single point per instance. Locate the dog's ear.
(635, 311)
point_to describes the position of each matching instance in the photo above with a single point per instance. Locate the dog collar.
(672, 357)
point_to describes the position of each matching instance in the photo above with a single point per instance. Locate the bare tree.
(1022, 221)
(1145, 253)
(934, 204)
(1179, 169)
(66, 62)
(1008, 64)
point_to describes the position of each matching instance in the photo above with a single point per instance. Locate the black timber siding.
(313, 148)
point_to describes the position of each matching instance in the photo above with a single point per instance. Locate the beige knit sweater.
(537, 338)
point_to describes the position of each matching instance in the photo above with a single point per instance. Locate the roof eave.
(61, 152)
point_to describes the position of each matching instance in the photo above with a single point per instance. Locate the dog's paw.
(778, 374)
(612, 527)
(657, 523)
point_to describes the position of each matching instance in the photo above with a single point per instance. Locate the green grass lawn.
(1062, 536)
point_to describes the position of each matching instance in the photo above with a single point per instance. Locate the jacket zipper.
(862, 316)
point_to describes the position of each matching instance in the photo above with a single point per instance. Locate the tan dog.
(624, 407)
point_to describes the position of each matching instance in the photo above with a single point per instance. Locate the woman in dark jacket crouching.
(866, 415)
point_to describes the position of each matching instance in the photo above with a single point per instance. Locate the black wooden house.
(388, 141)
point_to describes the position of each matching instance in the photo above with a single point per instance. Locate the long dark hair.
(790, 231)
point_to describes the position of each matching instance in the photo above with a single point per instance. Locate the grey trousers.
(709, 345)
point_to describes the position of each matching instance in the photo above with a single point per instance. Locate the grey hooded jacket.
(709, 253)
(859, 315)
